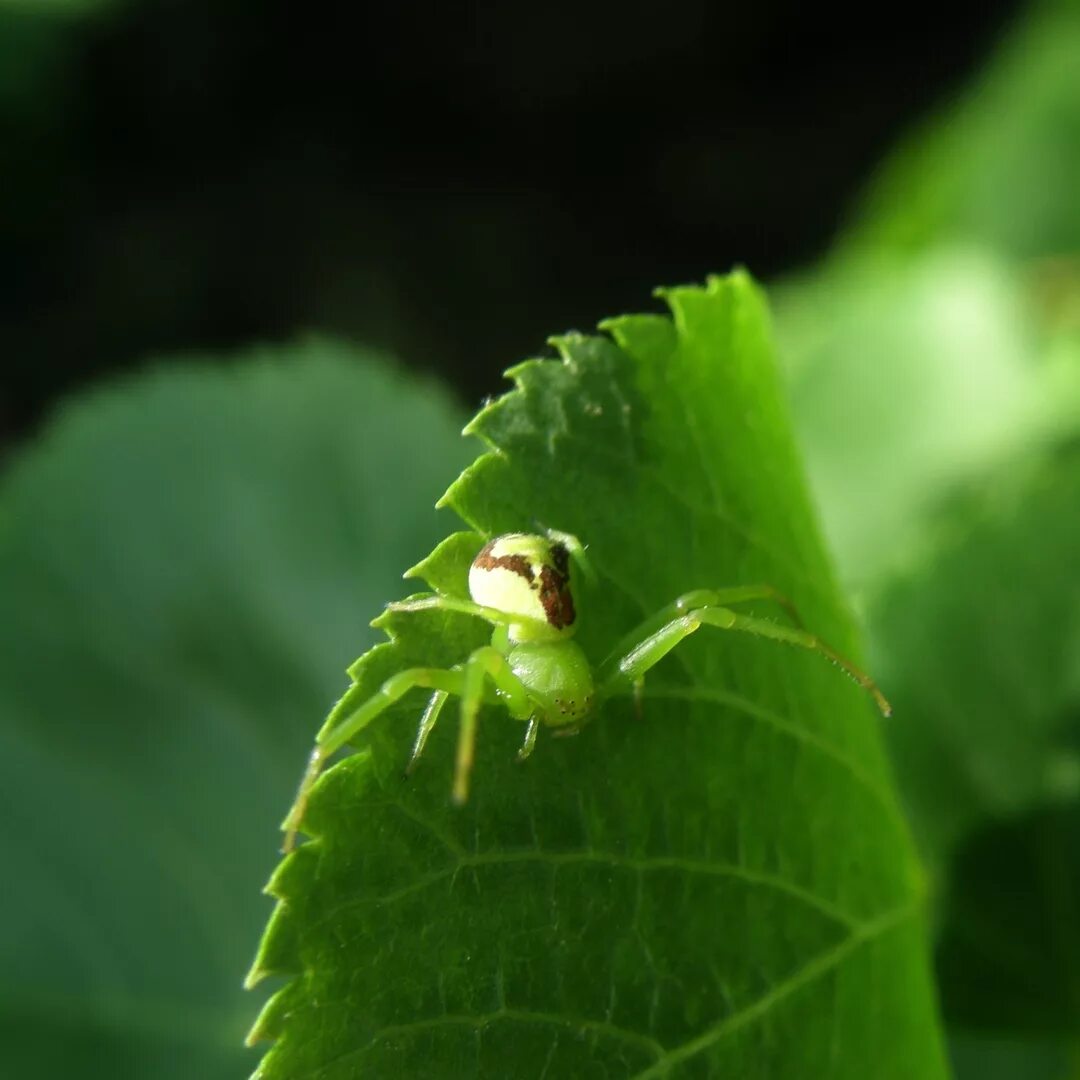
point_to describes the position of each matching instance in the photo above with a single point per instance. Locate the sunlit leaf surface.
(719, 886)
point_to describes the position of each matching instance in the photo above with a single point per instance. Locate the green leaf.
(187, 561)
(719, 886)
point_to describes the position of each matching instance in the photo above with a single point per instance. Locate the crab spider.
(520, 583)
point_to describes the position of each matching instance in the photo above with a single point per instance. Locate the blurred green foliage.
(934, 362)
(909, 376)
(999, 167)
(188, 561)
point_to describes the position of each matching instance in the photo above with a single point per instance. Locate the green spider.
(520, 583)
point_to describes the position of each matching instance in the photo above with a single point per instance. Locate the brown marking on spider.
(555, 597)
(561, 558)
(516, 564)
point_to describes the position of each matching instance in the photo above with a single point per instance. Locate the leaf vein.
(815, 968)
(787, 727)
(479, 1022)
(797, 570)
(639, 865)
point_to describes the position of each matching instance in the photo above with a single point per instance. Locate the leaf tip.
(456, 495)
(679, 299)
(258, 1032)
(640, 334)
(446, 569)
(416, 571)
(738, 277)
(471, 429)
(563, 343)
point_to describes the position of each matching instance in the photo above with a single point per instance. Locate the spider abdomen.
(558, 678)
(527, 575)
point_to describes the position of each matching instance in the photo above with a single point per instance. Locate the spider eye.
(526, 575)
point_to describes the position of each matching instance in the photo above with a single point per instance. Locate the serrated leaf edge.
(739, 281)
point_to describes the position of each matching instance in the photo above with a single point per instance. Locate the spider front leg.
(485, 663)
(692, 601)
(438, 602)
(576, 550)
(427, 724)
(623, 672)
(530, 737)
(334, 736)
(469, 683)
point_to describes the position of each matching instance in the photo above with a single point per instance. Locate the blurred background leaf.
(188, 562)
(1000, 167)
(934, 362)
(910, 376)
(981, 638)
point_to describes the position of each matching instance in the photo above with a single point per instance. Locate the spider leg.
(334, 736)
(468, 684)
(427, 723)
(576, 550)
(530, 737)
(436, 601)
(737, 594)
(730, 620)
(621, 673)
(691, 601)
(485, 662)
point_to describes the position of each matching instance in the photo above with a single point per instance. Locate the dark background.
(451, 183)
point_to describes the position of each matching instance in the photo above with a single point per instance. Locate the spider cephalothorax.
(521, 583)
